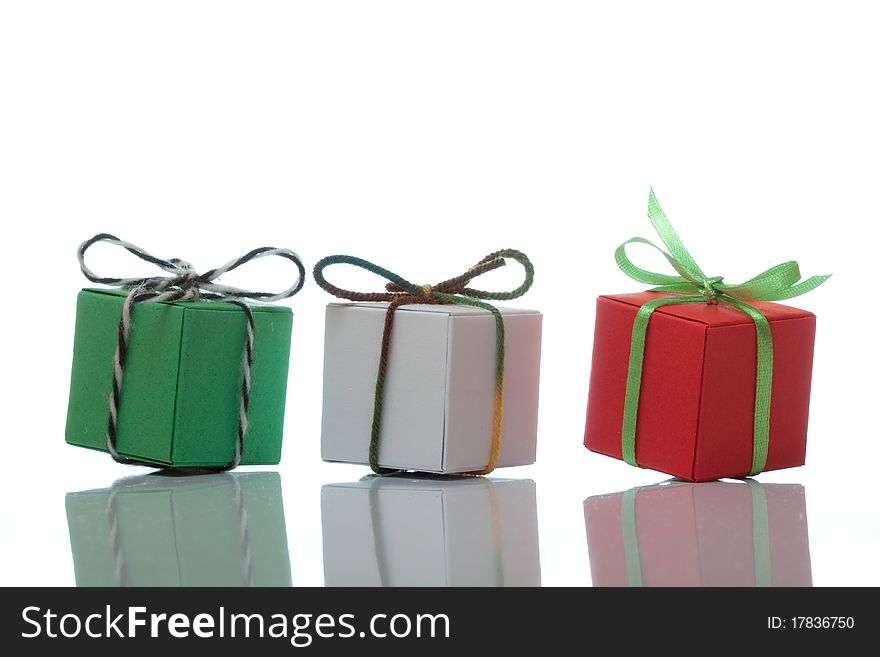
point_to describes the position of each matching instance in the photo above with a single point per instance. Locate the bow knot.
(183, 281)
(710, 289)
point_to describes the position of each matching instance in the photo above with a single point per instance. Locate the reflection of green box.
(212, 530)
(182, 386)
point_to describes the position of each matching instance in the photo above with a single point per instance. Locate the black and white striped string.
(184, 283)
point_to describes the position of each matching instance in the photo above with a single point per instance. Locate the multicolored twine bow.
(182, 284)
(776, 284)
(400, 291)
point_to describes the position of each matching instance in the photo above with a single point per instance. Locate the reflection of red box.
(697, 403)
(700, 535)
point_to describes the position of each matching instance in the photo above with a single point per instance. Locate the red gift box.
(697, 402)
(716, 534)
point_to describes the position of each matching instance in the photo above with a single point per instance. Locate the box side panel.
(471, 391)
(665, 549)
(209, 396)
(147, 538)
(348, 541)
(725, 534)
(492, 534)
(602, 518)
(383, 537)
(472, 536)
(268, 388)
(232, 533)
(90, 544)
(667, 536)
(520, 552)
(269, 374)
(149, 388)
(211, 548)
(670, 392)
(789, 537)
(412, 426)
(724, 446)
(266, 543)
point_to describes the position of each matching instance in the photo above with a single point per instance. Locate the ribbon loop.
(184, 282)
(777, 283)
(397, 285)
(456, 290)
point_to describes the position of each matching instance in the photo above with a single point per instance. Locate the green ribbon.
(631, 537)
(775, 284)
(760, 534)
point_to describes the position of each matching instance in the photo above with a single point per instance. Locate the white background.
(423, 135)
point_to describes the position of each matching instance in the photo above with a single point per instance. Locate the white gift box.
(394, 531)
(439, 386)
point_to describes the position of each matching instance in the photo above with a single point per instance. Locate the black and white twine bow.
(182, 283)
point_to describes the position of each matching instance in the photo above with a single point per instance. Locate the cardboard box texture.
(181, 390)
(439, 387)
(710, 534)
(212, 530)
(394, 531)
(696, 409)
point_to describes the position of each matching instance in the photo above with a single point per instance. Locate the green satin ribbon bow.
(775, 284)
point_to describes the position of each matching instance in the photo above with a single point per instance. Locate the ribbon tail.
(631, 537)
(760, 534)
(763, 385)
(806, 285)
(634, 372)
(498, 412)
(671, 239)
(375, 427)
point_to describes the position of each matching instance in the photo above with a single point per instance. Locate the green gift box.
(180, 399)
(214, 530)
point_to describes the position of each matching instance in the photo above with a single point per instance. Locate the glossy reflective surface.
(404, 531)
(712, 534)
(156, 530)
(594, 522)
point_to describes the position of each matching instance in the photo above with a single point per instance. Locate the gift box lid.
(721, 314)
(200, 304)
(451, 309)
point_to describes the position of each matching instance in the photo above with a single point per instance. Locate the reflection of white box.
(390, 531)
(439, 386)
